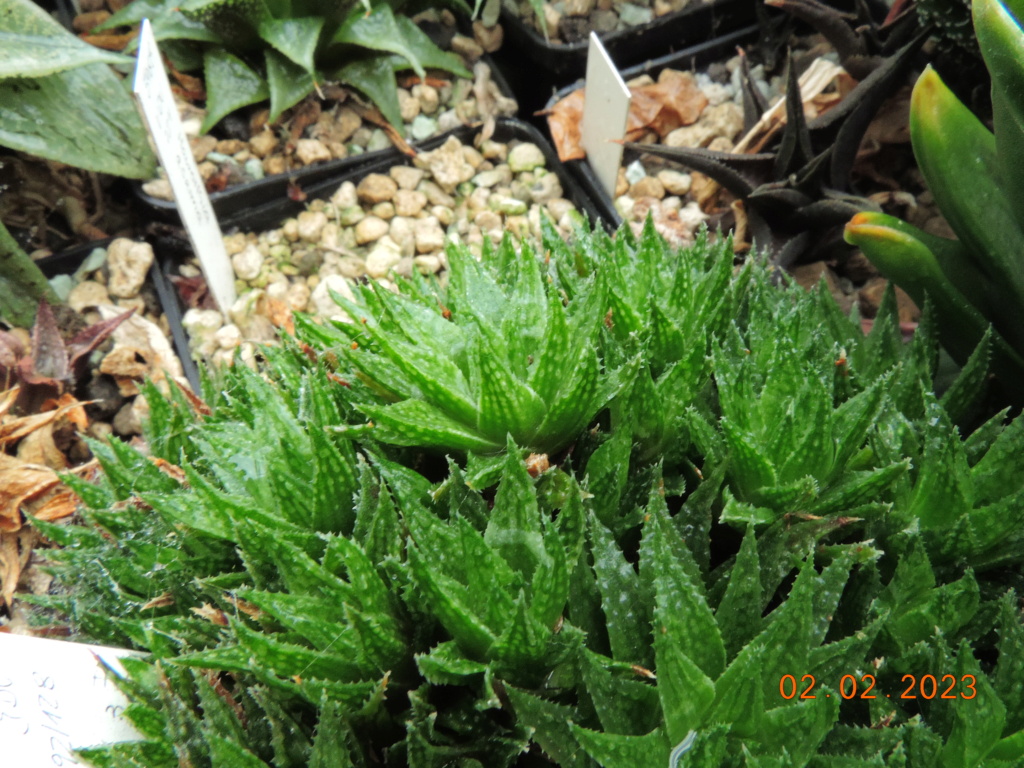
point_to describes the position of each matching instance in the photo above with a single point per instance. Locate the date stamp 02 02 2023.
(924, 687)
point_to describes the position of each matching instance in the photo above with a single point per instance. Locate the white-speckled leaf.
(39, 55)
(82, 117)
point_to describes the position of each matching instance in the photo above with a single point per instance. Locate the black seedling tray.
(699, 21)
(690, 58)
(271, 212)
(67, 262)
(236, 200)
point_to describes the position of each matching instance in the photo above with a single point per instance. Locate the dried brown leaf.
(211, 614)
(12, 430)
(10, 566)
(375, 116)
(160, 601)
(171, 470)
(194, 292)
(194, 400)
(69, 408)
(672, 102)
(38, 447)
(62, 503)
(564, 120)
(20, 483)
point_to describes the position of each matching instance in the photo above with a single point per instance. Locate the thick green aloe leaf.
(977, 730)
(429, 55)
(957, 152)
(106, 134)
(612, 750)
(230, 84)
(39, 55)
(906, 260)
(235, 21)
(1001, 40)
(382, 31)
(136, 11)
(374, 77)
(22, 285)
(295, 38)
(289, 83)
(175, 26)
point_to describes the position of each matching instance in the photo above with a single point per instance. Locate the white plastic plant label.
(605, 110)
(55, 697)
(153, 94)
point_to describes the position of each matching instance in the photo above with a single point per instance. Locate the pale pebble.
(370, 229)
(675, 182)
(409, 202)
(345, 196)
(525, 157)
(129, 263)
(311, 224)
(376, 188)
(228, 337)
(87, 293)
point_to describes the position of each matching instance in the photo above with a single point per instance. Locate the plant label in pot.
(604, 115)
(56, 697)
(153, 93)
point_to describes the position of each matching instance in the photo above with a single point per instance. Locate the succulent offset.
(499, 353)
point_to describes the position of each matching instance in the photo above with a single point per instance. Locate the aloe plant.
(977, 280)
(307, 596)
(253, 51)
(45, 68)
(500, 353)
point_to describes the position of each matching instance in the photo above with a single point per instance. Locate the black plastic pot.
(565, 62)
(271, 212)
(690, 58)
(236, 200)
(67, 262)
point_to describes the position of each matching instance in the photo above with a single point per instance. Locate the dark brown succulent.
(797, 195)
(49, 367)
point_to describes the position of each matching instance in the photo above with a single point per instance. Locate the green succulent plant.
(977, 280)
(307, 596)
(500, 353)
(43, 69)
(283, 49)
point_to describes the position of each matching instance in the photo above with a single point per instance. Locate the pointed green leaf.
(551, 724)
(106, 136)
(623, 705)
(295, 38)
(374, 77)
(627, 616)
(379, 31)
(414, 422)
(976, 731)
(230, 84)
(616, 751)
(739, 613)
(288, 82)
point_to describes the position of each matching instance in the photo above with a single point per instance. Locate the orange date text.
(863, 687)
